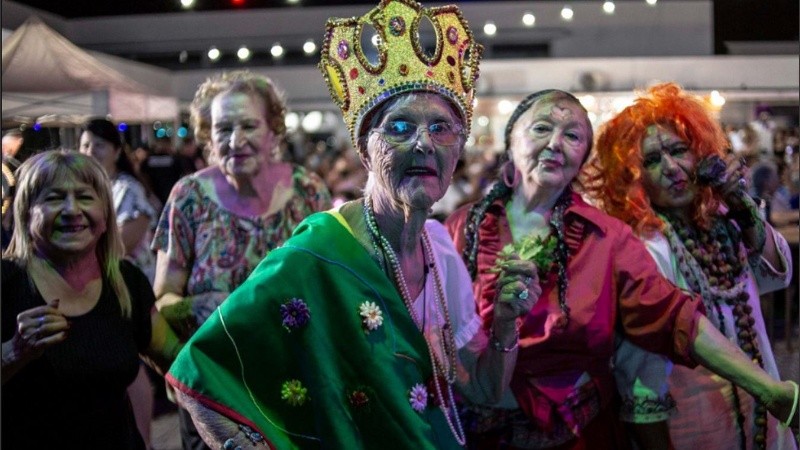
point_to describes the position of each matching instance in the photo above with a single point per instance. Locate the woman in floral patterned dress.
(218, 223)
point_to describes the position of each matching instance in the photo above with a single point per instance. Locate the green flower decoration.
(294, 393)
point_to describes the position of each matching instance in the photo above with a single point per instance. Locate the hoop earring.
(514, 177)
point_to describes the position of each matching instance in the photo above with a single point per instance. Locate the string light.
(214, 53)
(528, 19)
(490, 29)
(609, 7)
(276, 50)
(309, 47)
(243, 53)
(567, 13)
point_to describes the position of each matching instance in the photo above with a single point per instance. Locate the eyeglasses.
(401, 132)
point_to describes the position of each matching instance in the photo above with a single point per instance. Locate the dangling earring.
(511, 180)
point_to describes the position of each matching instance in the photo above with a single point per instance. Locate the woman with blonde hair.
(75, 315)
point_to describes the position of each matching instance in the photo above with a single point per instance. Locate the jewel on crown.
(357, 85)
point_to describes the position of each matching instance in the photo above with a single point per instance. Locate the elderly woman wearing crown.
(358, 330)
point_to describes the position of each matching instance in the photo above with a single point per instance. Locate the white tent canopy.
(44, 74)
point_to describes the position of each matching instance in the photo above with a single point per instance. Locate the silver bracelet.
(496, 345)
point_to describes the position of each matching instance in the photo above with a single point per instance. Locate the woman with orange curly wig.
(661, 166)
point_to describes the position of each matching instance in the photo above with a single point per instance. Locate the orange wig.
(614, 173)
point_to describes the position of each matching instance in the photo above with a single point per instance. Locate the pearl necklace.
(447, 366)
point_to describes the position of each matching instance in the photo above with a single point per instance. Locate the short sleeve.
(315, 194)
(458, 285)
(130, 200)
(142, 303)
(175, 233)
(769, 278)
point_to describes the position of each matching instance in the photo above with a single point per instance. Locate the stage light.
(490, 29)
(187, 3)
(609, 7)
(276, 50)
(528, 19)
(309, 47)
(567, 13)
(717, 99)
(652, 2)
(243, 53)
(214, 53)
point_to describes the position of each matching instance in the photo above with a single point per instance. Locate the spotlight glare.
(214, 53)
(717, 99)
(276, 50)
(243, 53)
(505, 106)
(609, 7)
(567, 13)
(528, 19)
(490, 29)
(309, 47)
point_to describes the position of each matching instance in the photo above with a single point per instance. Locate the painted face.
(67, 218)
(669, 166)
(549, 143)
(412, 153)
(101, 150)
(241, 139)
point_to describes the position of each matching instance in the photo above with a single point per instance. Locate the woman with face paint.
(221, 221)
(75, 316)
(360, 330)
(661, 166)
(597, 283)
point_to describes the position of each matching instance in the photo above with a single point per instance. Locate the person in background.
(12, 143)
(661, 166)
(597, 283)
(219, 222)
(135, 217)
(76, 316)
(161, 169)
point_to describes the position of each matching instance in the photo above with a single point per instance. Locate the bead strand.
(446, 333)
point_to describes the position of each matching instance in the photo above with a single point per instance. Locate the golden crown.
(358, 86)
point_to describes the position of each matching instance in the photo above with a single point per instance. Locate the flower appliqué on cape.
(294, 393)
(295, 314)
(371, 314)
(418, 397)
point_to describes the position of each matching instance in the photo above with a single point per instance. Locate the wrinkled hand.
(517, 289)
(37, 329)
(734, 188)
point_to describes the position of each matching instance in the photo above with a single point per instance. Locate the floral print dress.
(220, 248)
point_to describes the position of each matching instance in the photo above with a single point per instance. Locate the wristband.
(496, 345)
(794, 405)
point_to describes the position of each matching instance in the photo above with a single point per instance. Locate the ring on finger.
(742, 182)
(41, 322)
(524, 294)
(528, 281)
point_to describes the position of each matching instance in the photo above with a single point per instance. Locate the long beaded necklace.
(447, 366)
(710, 263)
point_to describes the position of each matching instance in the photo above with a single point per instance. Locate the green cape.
(238, 361)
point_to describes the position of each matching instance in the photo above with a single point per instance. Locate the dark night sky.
(734, 20)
